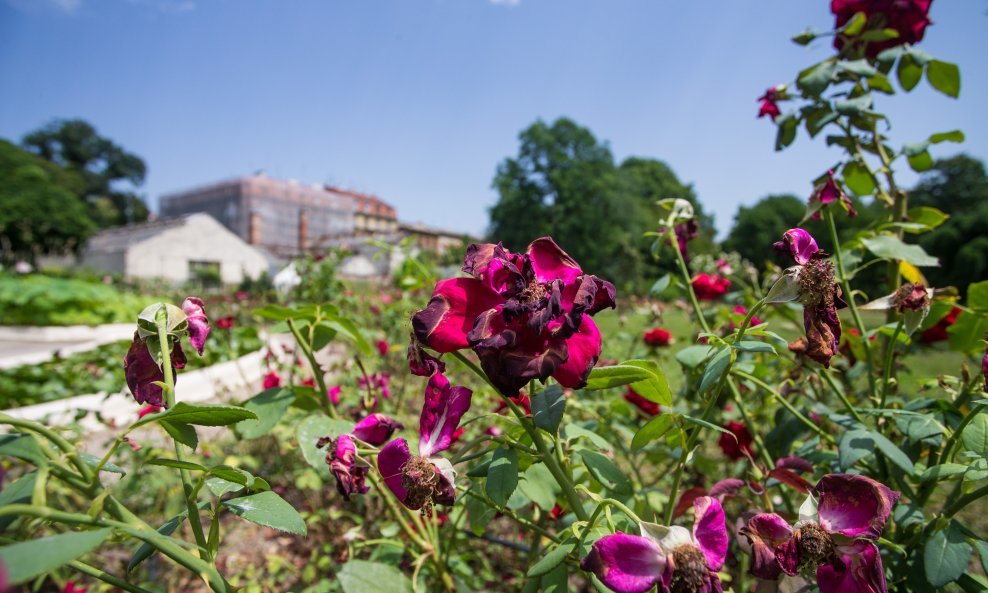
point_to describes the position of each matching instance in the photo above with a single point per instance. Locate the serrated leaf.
(267, 509)
(606, 472)
(552, 559)
(975, 435)
(361, 576)
(615, 376)
(944, 77)
(502, 476)
(892, 247)
(946, 555)
(716, 368)
(26, 560)
(653, 430)
(539, 486)
(548, 407)
(183, 433)
(202, 414)
(815, 79)
(269, 406)
(858, 179)
(942, 472)
(655, 388)
(573, 431)
(754, 346)
(22, 446)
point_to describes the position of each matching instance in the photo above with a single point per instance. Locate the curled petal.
(794, 463)
(445, 493)
(798, 243)
(550, 262)
(583, 350)
(421, 363)
(441, 413)
(376, 429)
(142, 371)
(765, 533)
(195, 312)
(496, 267)
(822, 340)
(862, 571)
(626, 563)
(854, 506)
(390, 461)
(342, 458)
(710, 531)
(456, 303)
(511, 355)
(727, 487)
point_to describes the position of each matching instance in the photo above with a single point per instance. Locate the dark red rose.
(225, 322)
(649, 407)
(709, 287)
(739, 445)
(908, 18)
(657, 336)
(938, 332)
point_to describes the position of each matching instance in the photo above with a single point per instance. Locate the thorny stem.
(849, 296)
(551, 463)
(195, 522)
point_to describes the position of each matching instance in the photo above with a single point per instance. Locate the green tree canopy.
(40, 213)
(109, 173)
(958, 186)
(563, 183)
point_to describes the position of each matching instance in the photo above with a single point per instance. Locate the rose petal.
(863, 571)
(390, 462)
(195, 312)
(456, 303)
(550, 262)
(765, 533)
(342, 464)
(421, 363)
(710, 531)
(794, 463)
(798, 243)
(445, 492)
(141, 371)
(511, 355)
(626, 563)
(854, 506)
(444, 406)
(375, 429)
(583, 350)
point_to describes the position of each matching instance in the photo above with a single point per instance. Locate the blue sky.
(418, 100)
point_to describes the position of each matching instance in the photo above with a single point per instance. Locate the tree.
(563, 183)
(109, 173)
(958, 186)
(40, 213)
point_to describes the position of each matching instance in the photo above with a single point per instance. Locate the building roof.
(421, 229)
(366, 203)
(120, 238)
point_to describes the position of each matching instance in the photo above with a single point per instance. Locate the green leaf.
(573, 431)
(716, 368)
(968, 332)
(479, 513)
(309, 432)
(539, 486)
(891, 247)
(855, 25)
(269, 406)
(93, 461)
(858, 179)
(693, 356)
(660, 285)
(942, 472)
(754, 346)
(361, 576)
(788, 125)
(860, 443)
(615, 376)
(927, 216)
(855, 106)
(183, 433)
(946, 555)
(268, 509)
(201, 415)
(655, 388)
(893, 452)
(22, 446)
(975, 435)
(276, 312)
(860, 67)
(220, 487)
(920, 162)
(145, 550)
(17, 492)
(606, 472)
(502, 476)
(944, 77)
(26, 560)
(349, 330)
(977, 295)
(880, 83)
(556, 580)
(951, 136)
(909, 72)
(653, 430)
(552, 559)
(548, 407)
(187, 465)
(815, 79)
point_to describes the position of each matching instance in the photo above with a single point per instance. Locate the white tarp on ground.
(33, 345)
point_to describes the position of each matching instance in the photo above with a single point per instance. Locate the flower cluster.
(709, 287)
(526, 316)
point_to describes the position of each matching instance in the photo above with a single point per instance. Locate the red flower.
(908, 18)
(742, 310)
(938, 332)
(383, 347)
(146, 410)
(657, 336)
(709, 287)
(225, 322)
(769, 106)
(271, 380)
(70, 587)
(649, 407)
(310, 382)
(739, 445)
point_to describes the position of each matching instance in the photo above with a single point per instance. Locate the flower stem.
(195, 522)
(551, 463)
(106, 577)
(889, 361)
(846, 287)
(833, 385)
(787, 405)
(316, 369)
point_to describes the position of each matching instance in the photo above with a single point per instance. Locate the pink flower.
(271, 380)
(70, 587)
(908, 18)
(419, 481)
(334, 394)
(709, 287)
(195, 313)
(147, 410)
(657, 336)
(769, 106)
(383, 347)
(527, 316)
(375, 429)
(984, 369)
(742, 310)
(834, 535)
(342, 459)
(830, 192)
(663, 555)
(143, 373)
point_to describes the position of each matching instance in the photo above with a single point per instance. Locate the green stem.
(106, 577)
(849, 296)
(61, 443)
(965, 500)
(551, 463)
(889, 361)
(833, 385)
(396, 512)
(685, 271)
(195, 522)
(316, 369)
(952, 440)
(787, 405)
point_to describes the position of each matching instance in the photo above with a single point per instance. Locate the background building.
(191, 247)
